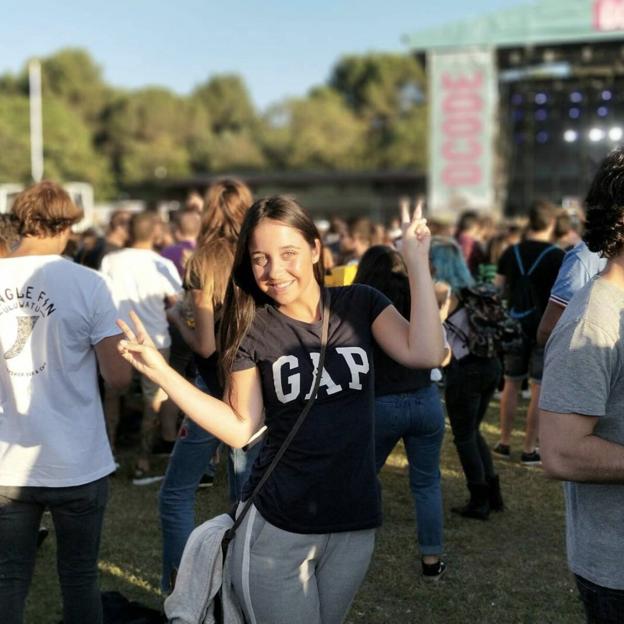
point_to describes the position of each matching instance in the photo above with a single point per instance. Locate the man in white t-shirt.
(57, 324)
(147, 283)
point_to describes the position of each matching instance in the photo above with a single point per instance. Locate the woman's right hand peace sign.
(416, 236)
(138, 348)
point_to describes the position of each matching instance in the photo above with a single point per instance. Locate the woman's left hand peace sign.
(416, 235)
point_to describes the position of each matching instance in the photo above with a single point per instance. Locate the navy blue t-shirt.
(326, 482)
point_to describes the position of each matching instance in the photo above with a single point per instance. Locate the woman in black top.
(408, 407)
(470, 384)
(304, 548)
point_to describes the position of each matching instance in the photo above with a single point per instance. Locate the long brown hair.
(225, 204)
(243, 295)
(210, 265)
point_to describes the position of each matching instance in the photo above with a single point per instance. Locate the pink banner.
(608, 15)
(462, 109)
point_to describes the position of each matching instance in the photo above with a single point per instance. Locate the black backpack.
(523, 302)
(492, 331)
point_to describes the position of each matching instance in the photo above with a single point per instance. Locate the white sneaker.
(144, 477)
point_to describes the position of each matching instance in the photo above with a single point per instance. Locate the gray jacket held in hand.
(201, 575)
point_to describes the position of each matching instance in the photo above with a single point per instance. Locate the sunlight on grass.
(493, 428)
(511, 569)
(397, 460)
(114, 570)
(450, 473)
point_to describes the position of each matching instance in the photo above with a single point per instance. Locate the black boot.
(495, 496)
(478, 506)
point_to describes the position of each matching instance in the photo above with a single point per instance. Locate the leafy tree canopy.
(14, 138)
(71, 75)
(380, 86)
(371, 114)
(227, 101)
(317, 132)
(387, 92)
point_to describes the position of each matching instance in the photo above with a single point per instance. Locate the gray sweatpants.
(282, 577)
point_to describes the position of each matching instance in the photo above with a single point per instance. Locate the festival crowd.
(303, 351)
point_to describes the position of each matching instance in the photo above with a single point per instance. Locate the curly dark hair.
(604, 225)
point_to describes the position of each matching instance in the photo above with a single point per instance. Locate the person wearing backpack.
(472, 377)
(526, 273)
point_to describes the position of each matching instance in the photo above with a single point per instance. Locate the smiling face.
(282, 262)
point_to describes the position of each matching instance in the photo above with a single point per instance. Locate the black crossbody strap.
(298, 423)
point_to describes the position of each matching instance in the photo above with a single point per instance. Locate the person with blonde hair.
(195, 202)
(197, 319)
(57, 326)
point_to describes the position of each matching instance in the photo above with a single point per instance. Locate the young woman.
(304, 548)
(408, 407)
(470, 383)
(207, 274)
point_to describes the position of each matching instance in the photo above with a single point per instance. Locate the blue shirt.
(578, 267)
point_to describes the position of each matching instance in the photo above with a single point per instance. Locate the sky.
(281, 48)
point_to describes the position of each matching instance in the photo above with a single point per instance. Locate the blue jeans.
(190, 459)
(602, 605)
(78, 513)
(416, 417)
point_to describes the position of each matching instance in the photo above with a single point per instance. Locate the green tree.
(68, 148)
(371, 114)
(233, 151)
(234, 144)
(199, 136)
(74, 96)
(14, 139)
(13, 84)
(226, 99)
(145, 115)
(317, 132)
(153, 132)
(68, 152)
(379, 85)
(73, 76)
(387, 91)
(160, 158)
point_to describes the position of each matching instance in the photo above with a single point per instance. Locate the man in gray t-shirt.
(582, 403)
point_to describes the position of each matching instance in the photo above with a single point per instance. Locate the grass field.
(510, 569)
